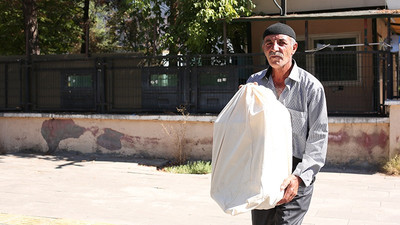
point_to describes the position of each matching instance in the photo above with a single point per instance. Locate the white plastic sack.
(252, 151)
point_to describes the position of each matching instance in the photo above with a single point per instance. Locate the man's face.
(279, 49)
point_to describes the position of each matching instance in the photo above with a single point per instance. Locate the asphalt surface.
(87, 189)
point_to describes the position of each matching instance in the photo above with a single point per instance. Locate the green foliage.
(102, 40)
(392, 167)
(12, 39)
(147, 26)
(58, 26)
(197, 167)
(199, 24)
(136, 25)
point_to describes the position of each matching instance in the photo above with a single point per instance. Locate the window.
(163, 80)
(335, 59)
(334, 63)
(213, 79)
(79, 81)
(78, 90)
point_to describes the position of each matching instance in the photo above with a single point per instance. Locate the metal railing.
(356, 83)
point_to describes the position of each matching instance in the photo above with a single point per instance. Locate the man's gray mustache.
(276, 53)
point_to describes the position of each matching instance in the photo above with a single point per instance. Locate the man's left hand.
(291, 186)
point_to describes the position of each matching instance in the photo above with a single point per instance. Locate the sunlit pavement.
(37, 189)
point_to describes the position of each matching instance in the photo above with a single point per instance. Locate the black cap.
(279, 28)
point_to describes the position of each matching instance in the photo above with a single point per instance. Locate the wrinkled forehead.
(277, 37)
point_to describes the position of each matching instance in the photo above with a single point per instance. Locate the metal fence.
(355, 82)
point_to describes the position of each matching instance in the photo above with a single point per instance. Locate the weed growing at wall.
(392, 167)
(197, 167)
(178, 136)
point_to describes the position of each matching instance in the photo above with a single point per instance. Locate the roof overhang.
(383, 13)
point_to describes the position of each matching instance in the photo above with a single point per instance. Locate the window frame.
(172, 80)
(311, 62)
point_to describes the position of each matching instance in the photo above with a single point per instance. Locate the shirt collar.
(294, 74)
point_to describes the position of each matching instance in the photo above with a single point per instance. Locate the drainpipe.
(281, 7)
(284, 9)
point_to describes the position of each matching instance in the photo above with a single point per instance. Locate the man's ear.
(295, 45)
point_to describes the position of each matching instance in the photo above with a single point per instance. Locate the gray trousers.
(291, 213)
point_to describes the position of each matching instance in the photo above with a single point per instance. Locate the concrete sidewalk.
(59, 190)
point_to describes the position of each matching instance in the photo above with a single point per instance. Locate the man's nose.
(275, 46)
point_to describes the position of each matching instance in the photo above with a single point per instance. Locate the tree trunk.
(173, 7)
(31, 28)
(85, 28)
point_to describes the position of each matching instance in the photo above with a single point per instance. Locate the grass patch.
(392, 167)
(196, 167)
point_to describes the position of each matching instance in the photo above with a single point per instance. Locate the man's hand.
(240, 86)
(291, 186)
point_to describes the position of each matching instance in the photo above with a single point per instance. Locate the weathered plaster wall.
(141, 136)
(394, 107)
(357, 142)
(361, 142)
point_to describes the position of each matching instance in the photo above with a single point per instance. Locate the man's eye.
(282, 43)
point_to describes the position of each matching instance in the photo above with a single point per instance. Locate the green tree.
(12, 38)
(31, 27)
(136, 25)
(197, 24)
(147, 26)
(101, 36)
(58, 26)
(190, 26)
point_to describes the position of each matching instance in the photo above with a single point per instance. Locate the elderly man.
(304, 97)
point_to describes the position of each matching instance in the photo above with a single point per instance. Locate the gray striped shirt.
(304, 97)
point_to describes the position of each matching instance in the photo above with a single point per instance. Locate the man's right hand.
(240, 86)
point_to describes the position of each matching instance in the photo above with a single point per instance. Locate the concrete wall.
(358, 142)
(353, 142)
(394, 110)
(140, 136)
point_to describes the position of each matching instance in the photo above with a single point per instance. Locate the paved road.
(86, 190)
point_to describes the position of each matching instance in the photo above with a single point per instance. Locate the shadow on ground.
(368, 170)
(74, 158)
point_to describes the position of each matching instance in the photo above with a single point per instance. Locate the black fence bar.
(396, 87)
(5, 82)
(354, 82)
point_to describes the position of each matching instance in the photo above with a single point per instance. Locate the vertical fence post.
(306, 45)
(6, 85)
(28, 67)
(194, 85)
(384, 78)
(186, 82)
(21, 92)
(377, 58)
(365, 34)
(224, 36)
(376, 84)
(397, 76)
(389, 65)
(100, 84)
